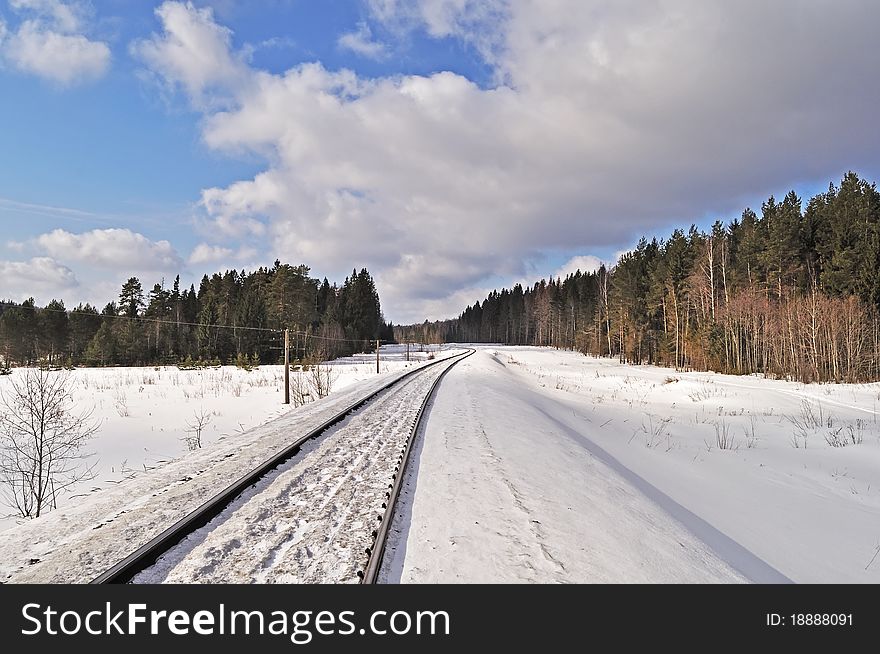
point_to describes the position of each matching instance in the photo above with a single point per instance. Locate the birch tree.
(42, 437)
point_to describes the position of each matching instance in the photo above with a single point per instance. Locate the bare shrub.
(751, 434)
(321, 379)
(120, 401)
(835, 439)
(810, 417)
(706, 392)
(300, 393)
(201, 419)
(724, 440)
(840, 438)
(41, 441)
(805, 423)
(655, 431)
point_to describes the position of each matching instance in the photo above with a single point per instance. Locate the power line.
(146, 319)
(340, 340)
(159, 321)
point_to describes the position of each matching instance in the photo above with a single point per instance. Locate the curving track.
(319, 511)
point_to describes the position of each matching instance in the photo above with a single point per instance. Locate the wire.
(159, 321)
(340, 340)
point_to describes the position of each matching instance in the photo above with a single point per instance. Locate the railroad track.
(380, 536)
(147, 555)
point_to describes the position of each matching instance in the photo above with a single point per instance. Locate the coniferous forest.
(233, 317)
(793, 292)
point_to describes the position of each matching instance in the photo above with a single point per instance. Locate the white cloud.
(63, 16)
(41, 276)
(586, 264)
(116, 249)
(62, 58)
(51, 44)
(614, 118)
(473, 21)
(194, 51)
(361, 43)
(276, 42)
(204, 253)
(449, 306)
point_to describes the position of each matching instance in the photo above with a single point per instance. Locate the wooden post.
(377, 356)
(287, 366)
(407, 350)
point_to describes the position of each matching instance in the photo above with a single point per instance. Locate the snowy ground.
(86, 535)
(539, 465)
(535, 465)
(145, 413)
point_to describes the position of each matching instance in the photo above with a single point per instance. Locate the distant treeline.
(792, 293)
(234, 316)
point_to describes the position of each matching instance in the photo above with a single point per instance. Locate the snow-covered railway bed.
(82, 540)
(312, 519)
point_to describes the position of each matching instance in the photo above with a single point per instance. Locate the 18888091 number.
(810, 620)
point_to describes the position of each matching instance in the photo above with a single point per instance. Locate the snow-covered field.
(535, 465)
(147, 413)
(542, 465)
(83, 538)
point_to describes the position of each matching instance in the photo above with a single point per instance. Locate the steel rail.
(375, 554)
(147, 555)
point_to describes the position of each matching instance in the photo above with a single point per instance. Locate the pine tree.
(131, 298)
(84, 324)
(54, 329)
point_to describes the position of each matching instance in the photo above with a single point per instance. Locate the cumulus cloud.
(62, 58)
(51, 45)
(609, 119)
(204, 253)
(41, 276)
(66, 17)
(116, 249)
(586, 264)
(194, 51)
(361, 43)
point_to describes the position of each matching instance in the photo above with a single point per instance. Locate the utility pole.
(377, 356)
(287, 366)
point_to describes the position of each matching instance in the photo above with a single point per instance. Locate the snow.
(145, 413)
(535, 465)
(89, 533)
(313, 521)
(542, 466)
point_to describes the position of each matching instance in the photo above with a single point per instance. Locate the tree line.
(793, 293)
(233, 316)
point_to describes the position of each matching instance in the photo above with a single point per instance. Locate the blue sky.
(118, 149)
(448, 146)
